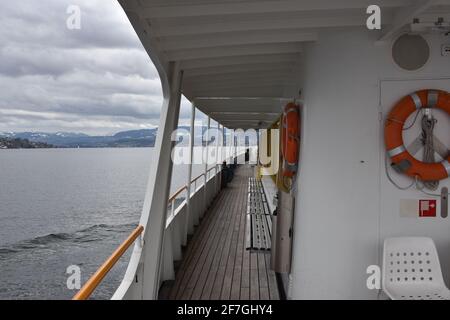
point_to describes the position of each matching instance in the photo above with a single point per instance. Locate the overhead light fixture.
(438, 25)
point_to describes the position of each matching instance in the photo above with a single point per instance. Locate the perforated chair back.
(411, 269)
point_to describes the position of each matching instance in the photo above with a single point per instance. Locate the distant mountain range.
(124, 139)
(134, 138)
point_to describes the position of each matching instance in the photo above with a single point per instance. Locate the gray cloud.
(97, 80)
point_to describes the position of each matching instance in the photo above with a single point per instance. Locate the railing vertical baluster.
(172, 210)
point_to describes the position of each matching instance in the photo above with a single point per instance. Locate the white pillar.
(224, 145)
(235, 144)
(257, 146)
(155, 205)
(206, 163)
(189, 212)
(218, 159)
(218, 162)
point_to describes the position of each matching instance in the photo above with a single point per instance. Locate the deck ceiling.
(243, 58)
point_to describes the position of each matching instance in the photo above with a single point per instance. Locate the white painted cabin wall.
(346, 206)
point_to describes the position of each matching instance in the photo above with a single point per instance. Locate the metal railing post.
(172, 208)
(235, 146)
(206, 163)
(216, 166)
(224, 144)
(189, 178)
(257, 146)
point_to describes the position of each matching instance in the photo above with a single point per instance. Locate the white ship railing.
(181, 221)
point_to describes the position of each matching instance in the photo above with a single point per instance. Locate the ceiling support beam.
(240, 85)
(236, 38)
(282, 25)
(242, 75)
(244, 117)
(236, 69)
(405, 16)
(253, 7)
(240, 113)
(240, 60)
(249, 100)
(247, 91)
(266, 105)
(228, 51)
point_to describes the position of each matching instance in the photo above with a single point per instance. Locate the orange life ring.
(290, 139)
(393, 136)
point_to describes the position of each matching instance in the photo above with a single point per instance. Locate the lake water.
(62, 207)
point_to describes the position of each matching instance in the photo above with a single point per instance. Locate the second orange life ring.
(290, 139)
(393, 134)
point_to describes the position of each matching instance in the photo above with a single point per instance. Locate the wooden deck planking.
(228, 279)
(254, 276)
(237, 272)
(216, 264)
(211, 273)
(245, 282)
(195, 248)
(194, 268)
(263, 285)
(221, 267)
(272, 281)
(203, 268)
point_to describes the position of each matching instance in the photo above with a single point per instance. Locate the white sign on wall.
(418, 208)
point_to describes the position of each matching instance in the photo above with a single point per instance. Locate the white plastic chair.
(411, 270)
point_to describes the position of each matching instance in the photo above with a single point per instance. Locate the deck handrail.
(89, 287)
(212, 168)
(172, 199)
(198, 177)
(183, 188)
(177, 193)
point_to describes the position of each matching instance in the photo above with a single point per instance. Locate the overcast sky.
(96, 80)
